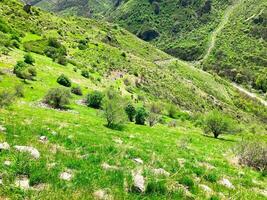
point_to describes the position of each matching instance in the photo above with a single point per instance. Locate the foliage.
(85, 73)
(130, 111)
(19, 91)
(77, 90)
(6, 98)
(64, 80)
(29, 59)
(141, 116)
(24, 71)
(217, 123)
(57, 97)
(94, 99)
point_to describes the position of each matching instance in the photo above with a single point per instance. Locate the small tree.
(113, 110)
(217, 123)
(23, 71)
(6, 98)
(172, 111)
(94, 99)
(19, 91)
(77, 90)
(141, 115)
(130, 111)
(57, 97)
(85, 73)
(153, 119)
(64, 80)
(29, 59)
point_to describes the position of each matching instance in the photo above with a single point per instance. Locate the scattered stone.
(225, 182)
(40, 187)
(85, 156)
(181, 161)
(2, 128)
(54, 133)
(206, 165)
(66, 176)
(139, 181)
(7, 163)
(102, 195)
(23, 183)
(138, 160)
(107, 167)
(118, 141)
(160, 172)
(4, 146)
(206, 188)
(43, 139)
(263, 192)
(34, 152)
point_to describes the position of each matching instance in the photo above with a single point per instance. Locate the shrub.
(217, 123)
(57, 97)
(23, 71)
(29, 59)
(64, 80)
(94, 99)
(53, 42)
(6, 98)
(153, 119)
(172, 111)
(141, 115)
(77, 90)
(19, 91)
(62, 60)
(155, 108)
(113, 110)
(130, 111)
(85, 73)
(253, 154)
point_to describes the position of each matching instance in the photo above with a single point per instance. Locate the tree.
(94, 99)
(29, 59)
(23, 71)
(57, 97)
(141, 115)
(64, 80)
(113, 109)
(217, 123)
(130, 111)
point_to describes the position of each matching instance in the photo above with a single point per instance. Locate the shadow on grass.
(222, 139)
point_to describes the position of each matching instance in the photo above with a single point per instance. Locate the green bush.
(172, 111)
(130, 111)
(64, 80)
(85, 73)
(113, 110)
(94, 99)
(19, 91)
(62, 60)
(57, 97)
(6, 98)
(29, 59)
(77, 90)
(217, 123)
(141, 115)
(23, 71)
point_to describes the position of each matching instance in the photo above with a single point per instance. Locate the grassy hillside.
(240, 49)
(100, 160)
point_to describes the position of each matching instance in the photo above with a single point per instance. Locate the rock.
(160, 172)
(2, 128)
(181, 161)
(26, 149)
(225, 182)
(118, 141)
(43, 139)
(263, 193)
(66, 176)
(7, 163)
(102, 195)
(23, 183)
(139, 181)
(54, 133)
(1, 181)
(4, 146)
(206, 188)
(138, 160)
(107, 167)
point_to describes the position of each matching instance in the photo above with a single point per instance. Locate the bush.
(29, 59)
(130, 111)
(53, 42)
(113, 110)
(23, 71)
(153, 119)
(62, 60)
(77, 90)
(85, 73)
(141, 115)
(155, 108)
(94, 99)
(253, 154)
(172, 111)
(19, 91)
(64, 80)
(217, 123)
(6, 98)
(57, 97)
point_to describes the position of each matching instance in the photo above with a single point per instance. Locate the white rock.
(1, 181)
(23, 183)
(26, 149)
(102, 195)
(138, 160)
(54, 133)
(118, 141)
(7, 163)
(160, 172)
(263, 193)
(66, 176)
(43, 139)
(106, 166)
(225, 182)
(139, 181)
(205, 188)
(2, 128)
(4, 146)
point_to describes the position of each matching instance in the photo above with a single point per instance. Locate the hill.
(76, 156)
